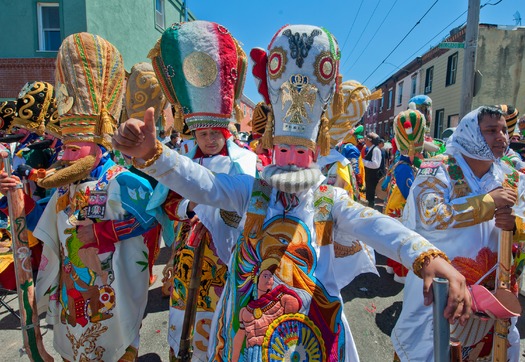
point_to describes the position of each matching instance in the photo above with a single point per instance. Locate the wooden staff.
(25, 286)
(198, 242)
(501, 326)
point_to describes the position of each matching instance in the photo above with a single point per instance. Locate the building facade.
(500, 64)
(132, 26)
(32, 31)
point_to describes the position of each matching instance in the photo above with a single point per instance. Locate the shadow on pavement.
(369, 285)
(386, 320)
(149, 357)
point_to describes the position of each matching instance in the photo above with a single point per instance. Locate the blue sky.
(367, 30)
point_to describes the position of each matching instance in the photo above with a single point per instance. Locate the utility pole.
(186, 13)
(469, 61)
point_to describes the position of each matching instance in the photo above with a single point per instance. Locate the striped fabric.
(356, 100)
(89, 88)
(409, 130)
(511, 117)
(201, 67)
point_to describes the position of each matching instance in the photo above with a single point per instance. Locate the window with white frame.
(48, 19)
(439, 123)
(399, 93)
(159, 13)
(390, 96)
(452, 69)
(382, 103)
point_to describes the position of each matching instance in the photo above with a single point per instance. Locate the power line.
(441, 31)
(360, 35)
(401, 41)
(351, 26)
(373, 36)
(435, 36)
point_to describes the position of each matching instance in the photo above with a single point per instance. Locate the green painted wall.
(129, 25)
(19, 32)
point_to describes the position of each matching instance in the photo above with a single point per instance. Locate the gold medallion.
(200, 69)
(257, 313)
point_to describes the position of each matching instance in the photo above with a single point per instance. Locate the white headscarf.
(468, 140)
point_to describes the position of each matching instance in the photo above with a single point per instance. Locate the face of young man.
(290, 155)
(210, 141)
(494, 130)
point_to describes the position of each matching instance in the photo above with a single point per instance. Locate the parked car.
(447, 133)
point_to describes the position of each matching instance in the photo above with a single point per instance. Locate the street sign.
(451, 45)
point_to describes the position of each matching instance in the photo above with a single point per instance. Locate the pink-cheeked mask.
(291, 155)
(74, 151)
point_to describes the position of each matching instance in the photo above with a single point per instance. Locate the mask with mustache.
(291, 179)
(74, 171)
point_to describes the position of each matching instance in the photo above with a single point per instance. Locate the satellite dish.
(517, 18)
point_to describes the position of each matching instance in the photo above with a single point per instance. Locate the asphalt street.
(372, 306)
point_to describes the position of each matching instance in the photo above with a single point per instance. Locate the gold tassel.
(323, 140)
(323, 230)
(267, 138)
(106, 126)
(253, 226)
(178, 118)
(376, 95)
(339, 99)
(155, 51)
(239, 114)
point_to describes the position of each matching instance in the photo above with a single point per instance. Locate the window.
(399, 93)
(382, 103)
(48, 26)
(429, 77)
(159, 13)
(452, 69)
(439, 126)
(413, 86)
(390, 96)
(453, 120)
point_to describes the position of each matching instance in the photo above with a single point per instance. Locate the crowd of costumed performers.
(105, 168)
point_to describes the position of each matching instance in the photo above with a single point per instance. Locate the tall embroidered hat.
(201, 69)
(36, 108)
(7, 113)
(259, 119)
(409, 132)
(89, 88)
(511, 114)
(356, 100)
(143, 91)
(422, 103)
(297, 77)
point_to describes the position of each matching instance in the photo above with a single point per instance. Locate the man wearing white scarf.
(459, 204)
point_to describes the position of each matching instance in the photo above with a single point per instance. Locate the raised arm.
(391, 238)
(179, 173)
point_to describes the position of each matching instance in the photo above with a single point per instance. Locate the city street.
(372, 305)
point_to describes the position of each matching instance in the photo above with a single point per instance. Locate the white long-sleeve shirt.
(375, 163)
